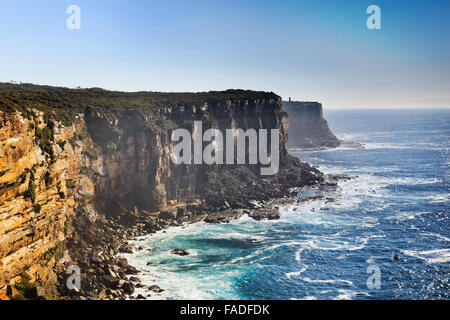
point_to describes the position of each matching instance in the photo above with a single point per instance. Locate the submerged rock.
(156, 288)
(180, 252)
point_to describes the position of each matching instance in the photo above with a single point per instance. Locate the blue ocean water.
(397, 203)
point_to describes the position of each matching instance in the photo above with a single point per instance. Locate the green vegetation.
(118, 132)
(25, 288)
(23, 176)
(64, 104)
(73, 141)
(71, 184)
(111, 146)
(48, 179)
(160, 126)
(229, 177)
(31, 192)
(93, 151)
(45, 138)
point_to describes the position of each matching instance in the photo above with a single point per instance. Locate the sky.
(317, 50)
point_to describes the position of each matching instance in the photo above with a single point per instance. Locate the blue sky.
(315, 50)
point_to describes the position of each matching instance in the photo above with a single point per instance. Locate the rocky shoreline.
(107, 276)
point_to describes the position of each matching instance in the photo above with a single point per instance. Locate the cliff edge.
(307, 128)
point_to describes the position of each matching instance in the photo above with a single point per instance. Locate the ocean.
(396, 204)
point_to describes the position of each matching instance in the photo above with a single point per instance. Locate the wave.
(349, 294)
(430, 256)
(402, 216)
(296, 273)
(343, 229)
(440, 198)
(438, 236)
(329, 281)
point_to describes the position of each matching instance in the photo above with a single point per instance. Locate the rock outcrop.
(75, 163)
(308, 129)
(37, 198)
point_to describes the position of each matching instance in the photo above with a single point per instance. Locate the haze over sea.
(397, 203)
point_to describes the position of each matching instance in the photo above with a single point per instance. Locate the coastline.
(117, 279)
(109, 275)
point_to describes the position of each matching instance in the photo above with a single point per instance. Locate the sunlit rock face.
(38, 195)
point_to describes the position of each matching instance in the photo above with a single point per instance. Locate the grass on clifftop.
(63, 104)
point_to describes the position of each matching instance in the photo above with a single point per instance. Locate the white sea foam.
(218, 279)
(386, 145)
(438, 236)
(296, 273)
(344, 294)
(299, 261)
(440, 198)
(330, 281)
(307, 298)
(240, 236)
(430, 256)
(402, 216)
(350, 137)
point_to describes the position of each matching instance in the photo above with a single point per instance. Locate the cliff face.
(37, 195)
(109, 164)
(308, 129)
(137, 169)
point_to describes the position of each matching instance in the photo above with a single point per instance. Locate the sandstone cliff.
(308, 129)
(70, 157)
(37, 195)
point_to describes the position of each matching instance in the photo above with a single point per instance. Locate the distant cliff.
(307, 127)
(69, 158)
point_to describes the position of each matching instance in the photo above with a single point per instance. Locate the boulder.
(181, 213)
(128, 288)
(180, 252)
(131, 270)
(122, 262)
(167, 215)
(111, 282)
(126, 248)
(135, 279)
(156, 288)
